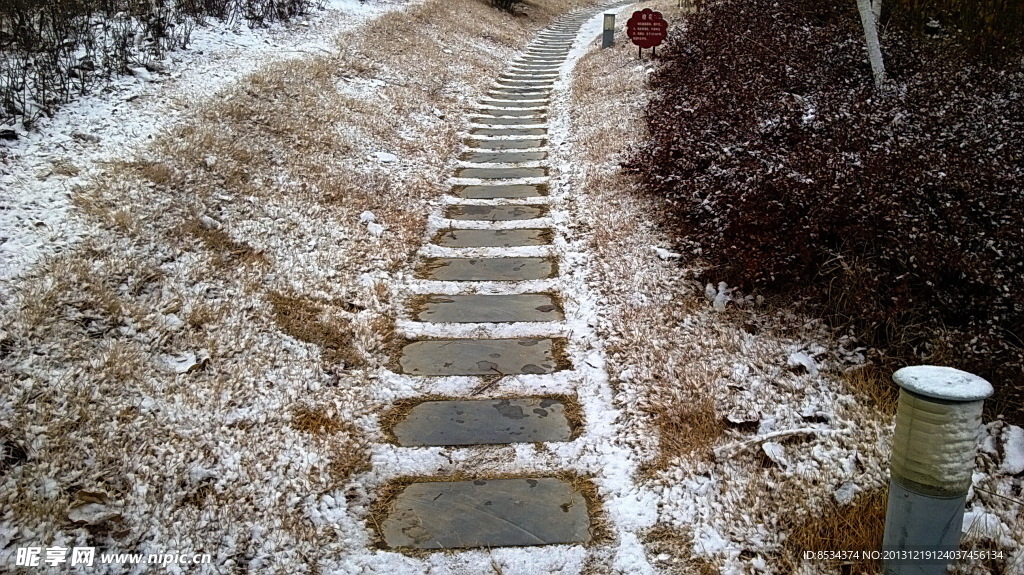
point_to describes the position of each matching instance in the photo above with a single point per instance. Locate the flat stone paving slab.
(494, 213)
(486, 308)
(506, 191)
(506, 88)
(487, 269)
(479, 357)
(513, 101)
(518, 113)
(509, 131)
(515, 83)
(493, 238)
(532, 67)
(501, 173)
(508, 144)
(484, 422)
(538, 121)
(487, 513)
(503, 157)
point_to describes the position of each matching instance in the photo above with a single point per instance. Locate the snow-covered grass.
(40, 171)
(202, 365)
(771, 435)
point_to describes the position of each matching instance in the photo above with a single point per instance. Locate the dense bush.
(52, 50)
(990, 28)
(507, 5)
(900, 213)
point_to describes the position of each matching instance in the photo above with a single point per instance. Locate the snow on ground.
(794, 440)
(40, 170)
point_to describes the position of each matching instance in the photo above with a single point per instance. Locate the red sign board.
(647, 28)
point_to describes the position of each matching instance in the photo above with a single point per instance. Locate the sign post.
(647, 29)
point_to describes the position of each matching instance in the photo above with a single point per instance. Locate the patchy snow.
(1013, 451)
(943, 383)
(40, 171)
(801, 360)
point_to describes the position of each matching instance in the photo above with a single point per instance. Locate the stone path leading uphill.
(498, 237)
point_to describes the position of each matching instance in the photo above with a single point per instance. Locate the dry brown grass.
(854, 527)
(227, 253)
(676, 544)
(302, 318)
(684, 428)
(279, 163)
(874, 386)
(347, 454)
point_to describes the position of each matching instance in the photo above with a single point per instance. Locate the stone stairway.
(505, 156)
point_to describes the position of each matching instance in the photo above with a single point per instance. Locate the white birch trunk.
(876, 9)
(867, 19)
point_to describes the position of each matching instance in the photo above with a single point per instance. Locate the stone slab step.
(532, 75)
(440, 357)
(500, 173)
(534, 67)
(503, 157)
(506, 191)
(538, 59)
(494, 213)
(486, 308)
(509, 87)
(509, 121)
(493, 238)
(483, 422)
(514, 101)
(547, 52)
(487, 269)
(508, 131)
(518, 113)
(525, 83)
(487, 513)
(519, 144)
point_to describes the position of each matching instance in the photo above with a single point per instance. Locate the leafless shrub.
(54, 50)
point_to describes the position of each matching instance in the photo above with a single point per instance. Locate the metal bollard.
(932, 462)
(609, 31)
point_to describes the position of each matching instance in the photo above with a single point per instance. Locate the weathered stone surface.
(493, 238)
(519, 113)
(525, 83)
(514, 101)
(539, 68)
(510, 121)
(495, 213)
(487, 513)
(500, 191)
(488, 269)
(501, 173)
(519, 144)
(552, 52)
(479, 357)
(509, 131)
(486, 308)
(508, 87)
(529, 76)
(503, 157)
(484, 422)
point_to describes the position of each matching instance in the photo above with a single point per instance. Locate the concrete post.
(609, 31)
(931, 466)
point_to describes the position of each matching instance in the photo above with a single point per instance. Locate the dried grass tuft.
(302, 318)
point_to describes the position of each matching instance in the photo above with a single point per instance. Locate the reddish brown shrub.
(790, 172)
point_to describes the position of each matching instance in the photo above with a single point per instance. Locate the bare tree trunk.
(876, 9)
(867, 19)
